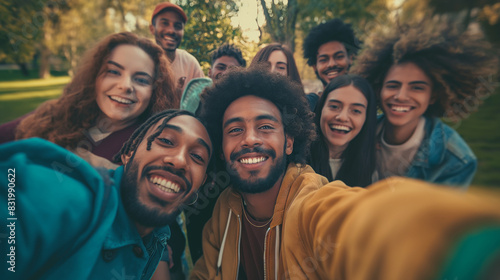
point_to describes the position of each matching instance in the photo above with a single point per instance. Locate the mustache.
(233, 156)
(169, 169)
(333, 68)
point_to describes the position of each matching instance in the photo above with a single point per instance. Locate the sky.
(246, 19)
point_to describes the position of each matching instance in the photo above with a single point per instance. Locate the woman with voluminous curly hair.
(422, 73)
(121, 81)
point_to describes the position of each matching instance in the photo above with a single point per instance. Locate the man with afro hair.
(330, 48)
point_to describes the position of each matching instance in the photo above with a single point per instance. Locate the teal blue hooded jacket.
(65, 220)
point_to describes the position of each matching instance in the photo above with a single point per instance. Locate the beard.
(253, 184)
(136, 210)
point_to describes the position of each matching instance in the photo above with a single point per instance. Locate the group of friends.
(146, 169)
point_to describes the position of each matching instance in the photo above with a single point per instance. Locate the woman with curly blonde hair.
(122, 81)
(420, 74)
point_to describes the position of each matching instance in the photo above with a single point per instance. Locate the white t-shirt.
(335, 164)
(394, 160)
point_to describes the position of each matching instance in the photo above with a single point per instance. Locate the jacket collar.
(286, 194)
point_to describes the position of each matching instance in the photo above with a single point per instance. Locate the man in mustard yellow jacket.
(265, 127)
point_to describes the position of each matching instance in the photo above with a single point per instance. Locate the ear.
(289, 145)
(210, 71)
(126, 158)
(152, 29)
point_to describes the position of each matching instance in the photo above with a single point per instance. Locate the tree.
(208, 26)
(283, 17)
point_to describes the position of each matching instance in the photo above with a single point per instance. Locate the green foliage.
(208, 27)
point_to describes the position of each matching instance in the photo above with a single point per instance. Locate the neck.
(170, 55)
(261, 205)
(105, 125)
(397, 135)
(336, 151)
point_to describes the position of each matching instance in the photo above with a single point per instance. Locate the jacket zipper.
(265, 245)
(239, 245)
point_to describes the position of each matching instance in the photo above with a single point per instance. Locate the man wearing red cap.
(167, 25)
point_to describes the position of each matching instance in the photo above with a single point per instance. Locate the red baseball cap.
(167, 5)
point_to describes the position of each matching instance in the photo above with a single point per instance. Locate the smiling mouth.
(332, 73)
(340, 128)
(252, 160)
(400, 108)
(164, 184)
(121, 100)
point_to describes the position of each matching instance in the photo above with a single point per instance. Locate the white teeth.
(121, 100)
(400, 108)
(340, 127)
(252, 160)
(164, 185)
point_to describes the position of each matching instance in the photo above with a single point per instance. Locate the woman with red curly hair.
(122, 81)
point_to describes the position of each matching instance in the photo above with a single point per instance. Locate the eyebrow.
(123, 68)
(258, 118)
(199, 140)
(410, 83)
(355, 104)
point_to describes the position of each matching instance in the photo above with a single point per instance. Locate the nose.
(402, 94)
(332, 62)
(342, 116)
(251, 138)
(170, 29)
(177, 160)
(126, 84)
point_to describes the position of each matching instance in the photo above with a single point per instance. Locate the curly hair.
(455, 63)
(264, 53)
(359, 156)
(333, 30)
(286, 95)
(65, 119)
(229, 50)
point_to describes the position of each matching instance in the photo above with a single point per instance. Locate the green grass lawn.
(481, 130)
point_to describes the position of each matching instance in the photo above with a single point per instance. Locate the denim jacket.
(443, 156)
(69, 220)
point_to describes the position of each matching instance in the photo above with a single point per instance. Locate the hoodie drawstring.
(221, 252)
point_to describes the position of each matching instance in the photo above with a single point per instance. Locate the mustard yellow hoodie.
(222, 233)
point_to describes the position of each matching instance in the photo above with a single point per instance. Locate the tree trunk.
(24, 69)
(44, 70)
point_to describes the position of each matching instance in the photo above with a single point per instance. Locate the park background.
(41, 42)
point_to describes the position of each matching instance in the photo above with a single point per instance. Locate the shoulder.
(452, 142)
(185, 55)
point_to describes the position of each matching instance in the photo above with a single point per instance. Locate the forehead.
(406, 72)
(277, 55)
(227, 60)
(331, 48)
(190, 126)
(170, 15)
(132, 57)
(347, 95)
(250, 107)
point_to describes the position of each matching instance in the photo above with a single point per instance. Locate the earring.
(194, 201)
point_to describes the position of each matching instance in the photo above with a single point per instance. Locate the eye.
(340, 56)
(282, 68)
(357, 112)
(391, 86)
(234, 130)
(165, 141)
(144, 81)
(198, 159)
(418, 88)
(266, 127)
(334, 107)
(178, 26)
(113, 72)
